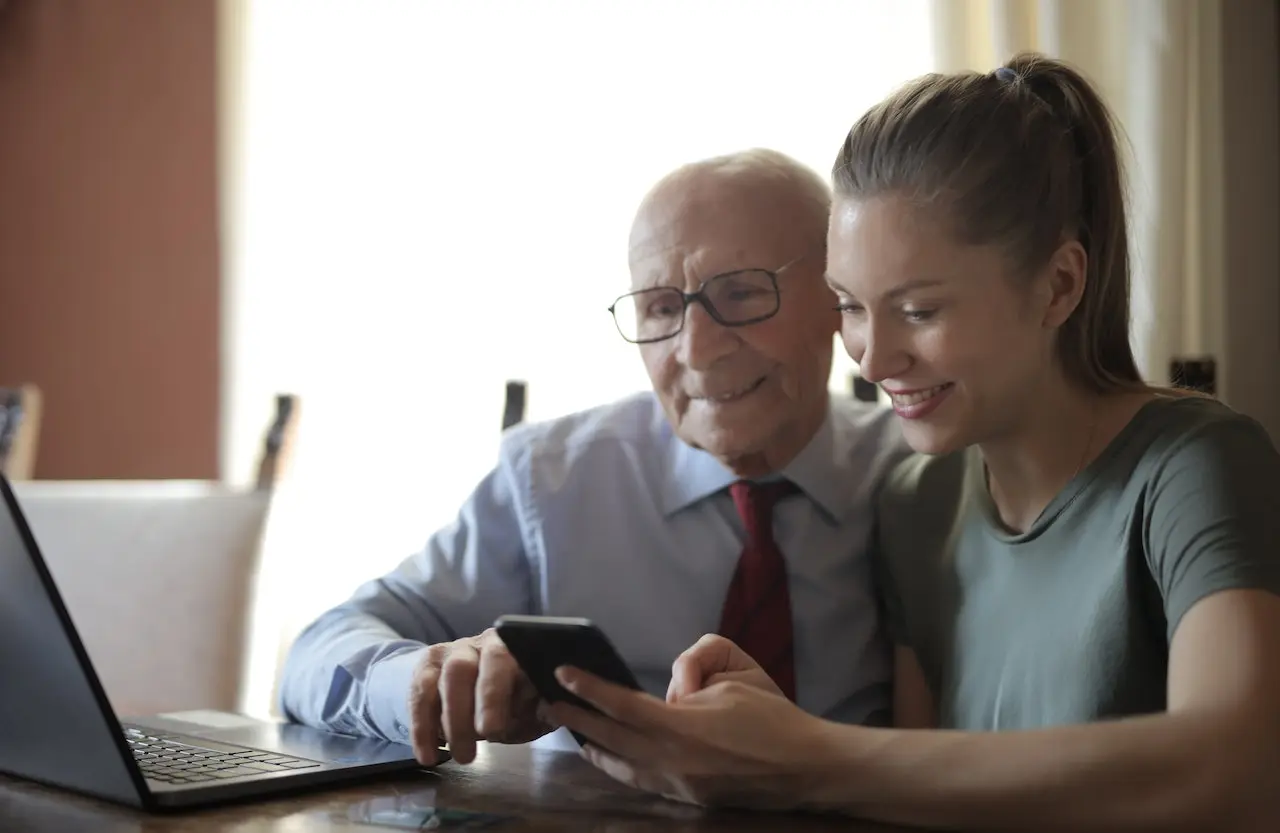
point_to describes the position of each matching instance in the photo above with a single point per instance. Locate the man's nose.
(703, 341)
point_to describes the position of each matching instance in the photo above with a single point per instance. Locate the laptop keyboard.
(178, 759)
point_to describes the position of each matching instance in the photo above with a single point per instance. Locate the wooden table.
(540, 790)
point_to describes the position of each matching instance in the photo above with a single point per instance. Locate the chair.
(513, 406)
(159, 577)
(274, 626)
(1198, 374)
(279, 441)
(20, 409)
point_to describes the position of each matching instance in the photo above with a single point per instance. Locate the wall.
(1251, 221)
(109, 271)
(108, 232)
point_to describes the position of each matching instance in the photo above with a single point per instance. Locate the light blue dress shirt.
(606, 514)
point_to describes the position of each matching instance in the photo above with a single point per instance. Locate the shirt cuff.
(388, 694)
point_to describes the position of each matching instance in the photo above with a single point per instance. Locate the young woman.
(1082, 572)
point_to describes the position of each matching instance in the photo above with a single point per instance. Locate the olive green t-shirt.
(1071, 621)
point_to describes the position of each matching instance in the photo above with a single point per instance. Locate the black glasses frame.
(699, 296)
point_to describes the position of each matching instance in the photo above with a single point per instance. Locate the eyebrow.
(897, 291)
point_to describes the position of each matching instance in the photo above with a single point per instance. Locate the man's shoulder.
(635, 421)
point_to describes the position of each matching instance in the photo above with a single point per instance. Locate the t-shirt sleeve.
(915, 513)
(1213, 520)
(891, 548)
(887, 591)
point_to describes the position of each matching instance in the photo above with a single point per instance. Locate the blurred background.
(392, 208)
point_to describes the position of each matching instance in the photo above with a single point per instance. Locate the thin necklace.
(1093, 424)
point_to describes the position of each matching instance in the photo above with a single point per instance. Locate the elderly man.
(652, 516)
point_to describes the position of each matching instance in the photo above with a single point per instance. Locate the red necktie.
(757, 610)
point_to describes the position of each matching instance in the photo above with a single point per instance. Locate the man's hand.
(470, 690)
(714, 659)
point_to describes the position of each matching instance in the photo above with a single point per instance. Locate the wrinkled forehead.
(697, 235)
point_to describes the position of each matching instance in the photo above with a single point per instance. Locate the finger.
(686, 677)
(622, 741)
(640, 779)
(613, 766)
(495, 690)
(754, 679)
(457, 700)
(424, 707)
(625, 705)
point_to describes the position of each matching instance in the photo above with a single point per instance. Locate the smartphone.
(541, 644)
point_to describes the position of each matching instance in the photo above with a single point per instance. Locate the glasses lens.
(649, 315)
(741, 297)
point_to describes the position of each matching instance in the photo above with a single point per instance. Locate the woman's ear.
(1065, 276)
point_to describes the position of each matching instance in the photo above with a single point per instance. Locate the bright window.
(435, 198)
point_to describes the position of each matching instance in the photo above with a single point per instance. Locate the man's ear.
(1065, 277)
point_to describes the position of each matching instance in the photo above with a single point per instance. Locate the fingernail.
(565, 677)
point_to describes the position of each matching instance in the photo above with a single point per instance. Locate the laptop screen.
(53, 716)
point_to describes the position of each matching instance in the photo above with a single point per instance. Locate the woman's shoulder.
(1172, 430)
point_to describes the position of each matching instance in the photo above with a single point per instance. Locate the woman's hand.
(714, 659)
(730, 743)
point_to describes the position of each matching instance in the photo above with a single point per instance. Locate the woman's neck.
(1063, 432)
(1055, 439)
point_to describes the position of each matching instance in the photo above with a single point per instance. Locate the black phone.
(541, 644)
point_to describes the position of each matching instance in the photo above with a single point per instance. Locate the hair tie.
(1006, 75)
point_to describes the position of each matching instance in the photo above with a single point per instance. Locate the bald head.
(750, 230)
(749, 192)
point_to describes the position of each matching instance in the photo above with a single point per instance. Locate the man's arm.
(350, 671)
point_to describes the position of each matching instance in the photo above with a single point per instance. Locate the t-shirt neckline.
(1070, 492)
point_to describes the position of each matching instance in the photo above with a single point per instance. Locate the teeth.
(917, 397)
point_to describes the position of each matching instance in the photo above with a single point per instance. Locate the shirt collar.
(692, 475)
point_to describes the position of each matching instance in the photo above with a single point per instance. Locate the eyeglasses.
(732, 299)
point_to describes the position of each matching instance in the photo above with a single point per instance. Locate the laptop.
(58, 728)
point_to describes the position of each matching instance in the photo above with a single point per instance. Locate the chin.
(736, 430)
(722, 448)
(934, 440)
(723, 444)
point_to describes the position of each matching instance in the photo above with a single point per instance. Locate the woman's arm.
(1211, 763)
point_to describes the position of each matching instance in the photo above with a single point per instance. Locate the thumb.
(712, 654)
(686, 677)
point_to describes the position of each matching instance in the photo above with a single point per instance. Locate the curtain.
(423, 200)
(1158, 63)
